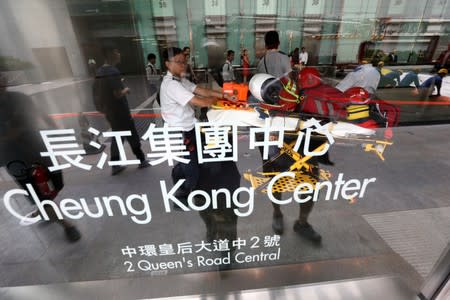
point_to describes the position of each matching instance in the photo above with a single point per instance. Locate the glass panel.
(150, 138)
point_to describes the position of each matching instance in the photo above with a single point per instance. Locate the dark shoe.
(72, 234)
(277, 224)
(327, 162)
(307, 231)
(117, 169)
(144, 164)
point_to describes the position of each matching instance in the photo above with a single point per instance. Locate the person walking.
(116, 109)
(227, 68)
(278, 64)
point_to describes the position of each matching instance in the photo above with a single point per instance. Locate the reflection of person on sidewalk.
(117, 111)
(152, 74)
(303, 57)
(426, 89)
(178, 97)
(21, 145)
(221, 222)
(278, 64)
(150, 69)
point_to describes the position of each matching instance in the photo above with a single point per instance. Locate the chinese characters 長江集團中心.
(137, 206)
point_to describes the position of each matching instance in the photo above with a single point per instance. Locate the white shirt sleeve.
(189, 85)
(179, 93)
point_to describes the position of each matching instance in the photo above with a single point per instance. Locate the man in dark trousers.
(116, 107)
(150, 69)
(278, 64)
(426, 89)
(21, 146)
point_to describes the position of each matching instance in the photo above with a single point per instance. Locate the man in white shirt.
(303, 57)
(151, 69)
(178, 98)
(227, 68)
(153, 79)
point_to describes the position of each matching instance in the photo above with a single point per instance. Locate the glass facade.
(114, 167)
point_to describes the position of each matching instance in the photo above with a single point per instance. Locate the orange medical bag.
(240, 90)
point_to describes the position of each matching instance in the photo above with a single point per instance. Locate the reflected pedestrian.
(152, 72)
(227, 68)
(303, 57)
(278, 64)
(115, 106)
(20, 148)
(151, 68)
(220, 221)
(274, 62)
